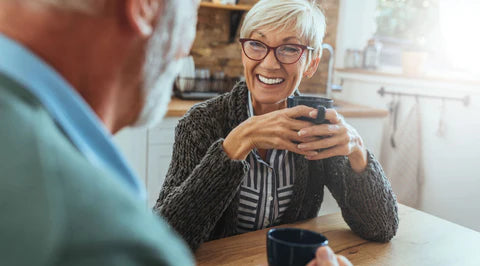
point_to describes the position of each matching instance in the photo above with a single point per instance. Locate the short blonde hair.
(304, 16)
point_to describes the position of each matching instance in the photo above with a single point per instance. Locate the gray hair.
(304, 16)
(175, 32)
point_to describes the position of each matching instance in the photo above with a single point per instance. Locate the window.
(406, 25)
(445, 29)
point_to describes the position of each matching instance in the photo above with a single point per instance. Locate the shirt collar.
(77, 120)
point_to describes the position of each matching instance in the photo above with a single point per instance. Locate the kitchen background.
(429, 147)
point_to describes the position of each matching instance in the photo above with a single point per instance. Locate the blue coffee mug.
(292, 246)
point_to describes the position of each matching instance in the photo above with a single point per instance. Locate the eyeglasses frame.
(303, 47)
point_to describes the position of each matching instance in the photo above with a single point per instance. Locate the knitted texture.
(200, 195)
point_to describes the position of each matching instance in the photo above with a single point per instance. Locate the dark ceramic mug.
(292, 246)
(319, 103)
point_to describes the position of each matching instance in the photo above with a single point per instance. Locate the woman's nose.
(270, 61)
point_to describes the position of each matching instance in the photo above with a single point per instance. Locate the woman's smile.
(269, 80)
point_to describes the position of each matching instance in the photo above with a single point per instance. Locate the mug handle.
(320, 115)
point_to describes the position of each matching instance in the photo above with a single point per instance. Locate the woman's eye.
(256, 44)
(290, 49)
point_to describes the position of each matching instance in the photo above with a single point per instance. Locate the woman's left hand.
(336, 139)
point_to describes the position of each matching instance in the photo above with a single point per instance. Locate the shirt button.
(270, 198)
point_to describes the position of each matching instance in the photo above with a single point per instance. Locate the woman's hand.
(274, 130)
(336, 139)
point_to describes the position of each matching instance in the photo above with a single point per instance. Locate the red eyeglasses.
(285, 53)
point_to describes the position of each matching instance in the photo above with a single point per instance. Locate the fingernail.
(313, 114)
(301, 146)
(312, 153)
(301, 132)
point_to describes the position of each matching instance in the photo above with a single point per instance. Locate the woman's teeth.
(270, 81)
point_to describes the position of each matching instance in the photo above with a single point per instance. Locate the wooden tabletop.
(179, 107)
(422, 239)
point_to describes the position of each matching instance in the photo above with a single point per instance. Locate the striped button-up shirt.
(266, 189)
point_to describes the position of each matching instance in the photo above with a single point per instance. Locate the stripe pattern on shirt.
(266, 190)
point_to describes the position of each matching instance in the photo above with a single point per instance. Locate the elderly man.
(71, 73)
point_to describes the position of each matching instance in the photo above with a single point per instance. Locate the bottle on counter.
(353, 58)
(371, 54)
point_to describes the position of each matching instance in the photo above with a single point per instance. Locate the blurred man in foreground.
(71, 74)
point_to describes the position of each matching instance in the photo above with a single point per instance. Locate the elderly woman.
(242, 162)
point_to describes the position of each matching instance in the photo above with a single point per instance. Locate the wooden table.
(422, 239)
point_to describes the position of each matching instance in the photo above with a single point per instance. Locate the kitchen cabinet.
(160, 141)
(149, 153)
(132, 143)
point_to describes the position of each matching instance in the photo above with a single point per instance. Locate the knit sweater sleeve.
(201, 181)
(366, 199)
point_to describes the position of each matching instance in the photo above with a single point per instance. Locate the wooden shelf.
(236, 14)
(226, 7)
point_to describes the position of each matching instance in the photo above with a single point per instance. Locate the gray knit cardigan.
(200, 195)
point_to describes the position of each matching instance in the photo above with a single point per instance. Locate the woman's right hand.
(274, 130)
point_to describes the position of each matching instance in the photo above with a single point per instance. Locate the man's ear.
(312, 68)
(142, 15)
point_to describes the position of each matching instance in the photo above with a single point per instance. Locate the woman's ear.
(142, 15)
(312, 68)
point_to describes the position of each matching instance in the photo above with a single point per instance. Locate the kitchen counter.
(179, 107)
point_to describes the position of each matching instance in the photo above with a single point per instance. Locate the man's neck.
(79, 52)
